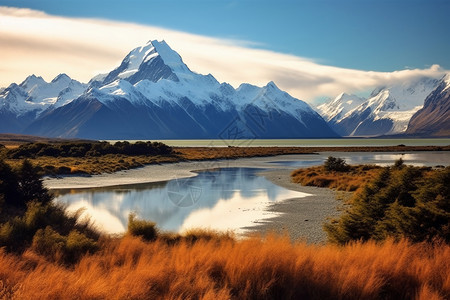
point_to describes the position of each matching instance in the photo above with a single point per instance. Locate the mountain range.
(397, 109)
(152, 94)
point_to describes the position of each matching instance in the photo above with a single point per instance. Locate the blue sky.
(312, 49)
(381, 35)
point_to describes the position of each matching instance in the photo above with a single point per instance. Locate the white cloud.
(37, 43)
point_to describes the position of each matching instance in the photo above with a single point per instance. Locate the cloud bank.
(34, 42)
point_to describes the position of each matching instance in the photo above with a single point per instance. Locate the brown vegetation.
(351, 180)
(92, 165)
(253, 268)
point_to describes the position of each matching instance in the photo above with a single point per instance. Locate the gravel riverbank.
(301, 218)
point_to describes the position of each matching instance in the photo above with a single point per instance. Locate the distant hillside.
(11, 139)
(434, 118)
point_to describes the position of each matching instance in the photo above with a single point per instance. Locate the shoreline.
(113, 163)
(301, 219)
(158, 172)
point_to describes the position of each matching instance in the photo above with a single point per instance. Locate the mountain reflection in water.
(222, 199)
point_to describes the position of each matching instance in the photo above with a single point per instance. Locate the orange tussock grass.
(350, 181)
(252, 268)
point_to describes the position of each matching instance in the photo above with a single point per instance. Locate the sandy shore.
(301, 218)
(164, 172)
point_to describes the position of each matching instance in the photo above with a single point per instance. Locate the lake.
(222, 195)
(223, 199)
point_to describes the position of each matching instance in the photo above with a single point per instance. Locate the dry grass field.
(223, 268)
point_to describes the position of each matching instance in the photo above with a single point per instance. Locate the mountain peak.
(170, 57)
(153, 61)
(271, 84)
(63, 77)
(32, 80)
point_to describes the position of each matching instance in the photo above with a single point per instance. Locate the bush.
(9, 187)
(408, 202)
(399, 163)
(77, 245)
(141, 228)
(69, 249)
(29, 218)
(30, 184)
(48, 242)
(336, 164)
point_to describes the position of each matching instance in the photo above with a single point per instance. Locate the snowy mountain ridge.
(433, 120)
(335, 109)
(182, 82)
(35, 94)
(387, 111)
(153, 94)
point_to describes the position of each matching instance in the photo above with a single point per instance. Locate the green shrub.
(400, 202)
(29, 218)
(9, 187)
(15, 234)
(141, 228)
(77, 245)
(30, 184)
(48, 242)
(36, 215)
(69, 249)
(336, 164)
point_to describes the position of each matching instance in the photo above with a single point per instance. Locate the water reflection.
(223, 199)
(383, 159)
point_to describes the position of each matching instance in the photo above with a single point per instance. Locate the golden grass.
(253, 268)
(91, 165)
(350, 181)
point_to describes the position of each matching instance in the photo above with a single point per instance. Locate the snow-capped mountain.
(434, 118)
(334, 110)
(20, 104)
(152, 94)
(387, 111)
